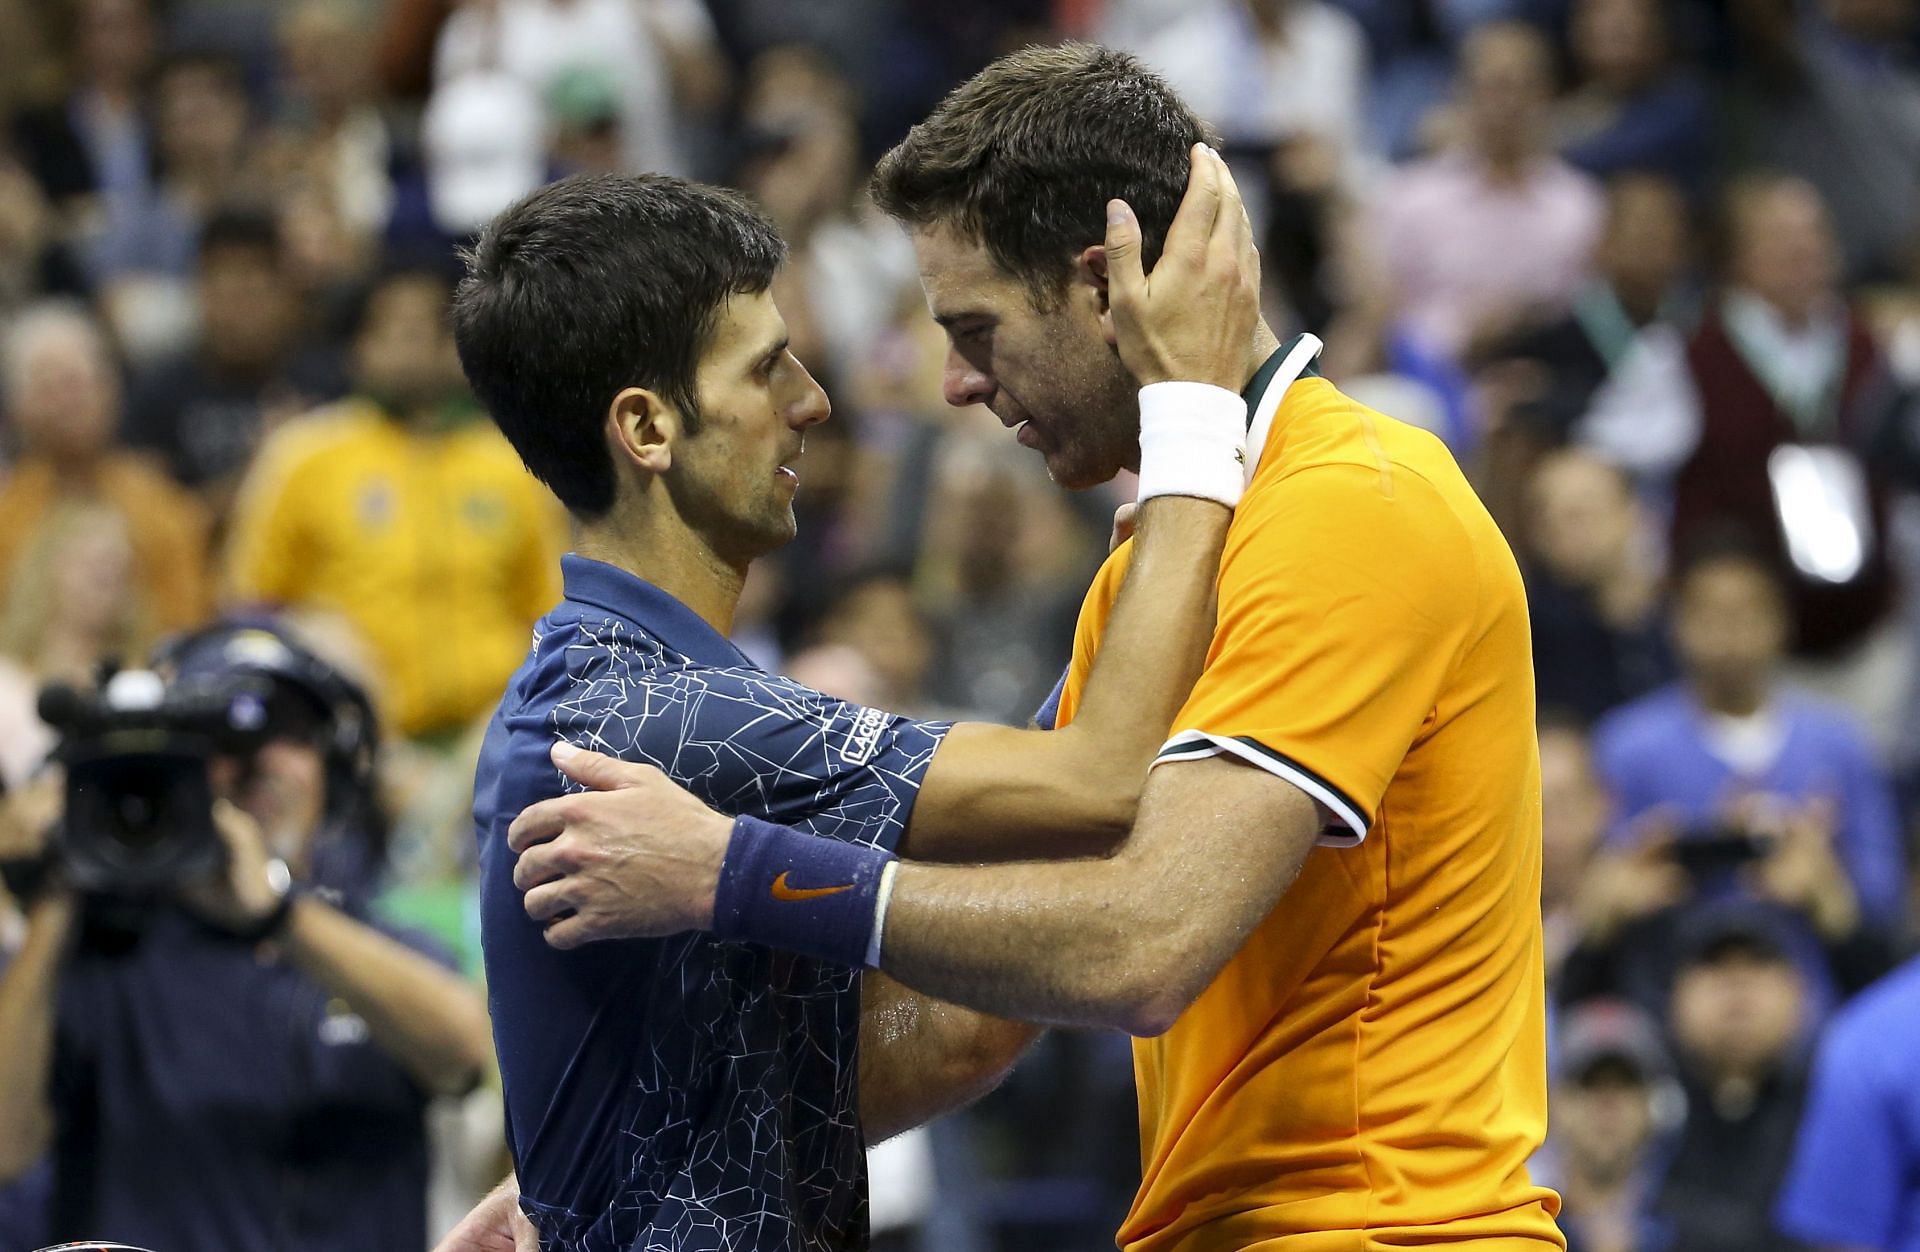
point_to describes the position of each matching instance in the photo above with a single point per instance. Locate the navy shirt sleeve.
(1047, 716)
(749, 742)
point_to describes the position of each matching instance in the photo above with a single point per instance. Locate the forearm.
(1071, 943)
(424, 1016)
(1156, 639)
(27, 998)
(1127, 941)
(921, 1058)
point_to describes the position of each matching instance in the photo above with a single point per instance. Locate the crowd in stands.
(1651, 268)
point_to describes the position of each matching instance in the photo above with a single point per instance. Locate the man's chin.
(1077, 472)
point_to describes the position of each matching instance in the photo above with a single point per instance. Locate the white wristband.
(881, 899)
(1193, 442)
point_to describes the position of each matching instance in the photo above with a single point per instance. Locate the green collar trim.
(1271, 366)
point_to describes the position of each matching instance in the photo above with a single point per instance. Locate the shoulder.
(1641, 724)
(316, 434)
(1860, 1030)
(1834, 724)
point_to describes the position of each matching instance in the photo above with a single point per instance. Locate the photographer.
(242, 1060)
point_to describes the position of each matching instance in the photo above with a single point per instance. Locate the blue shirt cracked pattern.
(681, 1094)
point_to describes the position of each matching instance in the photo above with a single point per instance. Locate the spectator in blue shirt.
(1855, 1178)
(1784, 784)
(1633, 109)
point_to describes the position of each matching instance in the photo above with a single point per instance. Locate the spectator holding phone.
(1752, 787)
(1731, 785)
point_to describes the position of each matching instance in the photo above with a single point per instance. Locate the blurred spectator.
(1630, 307)
(1593, 588)
(1613, 1099)
(1267, 74)
(96, 139)
(847, 267)
(484, 140)
(236, 1063)
(1003, 579)
(1855, 1180)
(62, 403)
(1536, 387)
(1828, 90)
(34, 258)
(29, 70)
(1780, 361)
(72, 605)
(1481, 239)
(876, 618)
(1732, 747)
(1738, 1015)
(1573, 822)
(583, 107)
(330, 136)
(143, 255)
(660, 54)
(404, 509)
(1632, 109)
(203, 411)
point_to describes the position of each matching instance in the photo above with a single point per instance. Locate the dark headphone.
(259, 646)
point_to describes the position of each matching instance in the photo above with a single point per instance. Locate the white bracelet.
(1193, 442)
(881, 898)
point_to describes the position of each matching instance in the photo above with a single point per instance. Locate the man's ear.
(641, 430)
(1090, 272)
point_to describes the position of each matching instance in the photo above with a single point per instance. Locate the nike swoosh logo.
(783, 892)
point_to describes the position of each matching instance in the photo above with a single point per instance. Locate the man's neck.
(668, 554)
(1738, 701)
(1265, 344)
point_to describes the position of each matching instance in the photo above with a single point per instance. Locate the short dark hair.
(242, 227)
(1025, 155)
(1725, 541)
(591, 285)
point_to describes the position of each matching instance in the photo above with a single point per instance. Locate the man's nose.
(812, 407)
(963, 384)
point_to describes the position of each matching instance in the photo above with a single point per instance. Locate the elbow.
(1150, 1014)
(1155, 985)
(467, 1061)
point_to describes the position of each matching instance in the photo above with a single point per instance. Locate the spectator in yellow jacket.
(402, 508)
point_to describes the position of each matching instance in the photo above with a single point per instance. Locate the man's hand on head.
(1192, 318)
(634, 856)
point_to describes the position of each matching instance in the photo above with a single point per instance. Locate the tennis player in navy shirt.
(712, 1091)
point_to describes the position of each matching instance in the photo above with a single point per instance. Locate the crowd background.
(1650, 267)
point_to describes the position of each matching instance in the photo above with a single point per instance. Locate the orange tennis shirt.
(1369, 1071)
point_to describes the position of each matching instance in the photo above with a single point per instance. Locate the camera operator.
(242, 1061)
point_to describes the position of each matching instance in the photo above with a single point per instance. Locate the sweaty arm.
(921, 1057)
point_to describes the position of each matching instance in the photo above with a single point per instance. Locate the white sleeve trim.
(1349, 825)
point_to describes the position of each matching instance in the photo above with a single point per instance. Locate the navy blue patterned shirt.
(682, 1094)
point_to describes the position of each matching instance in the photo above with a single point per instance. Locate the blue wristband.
(787, 889)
